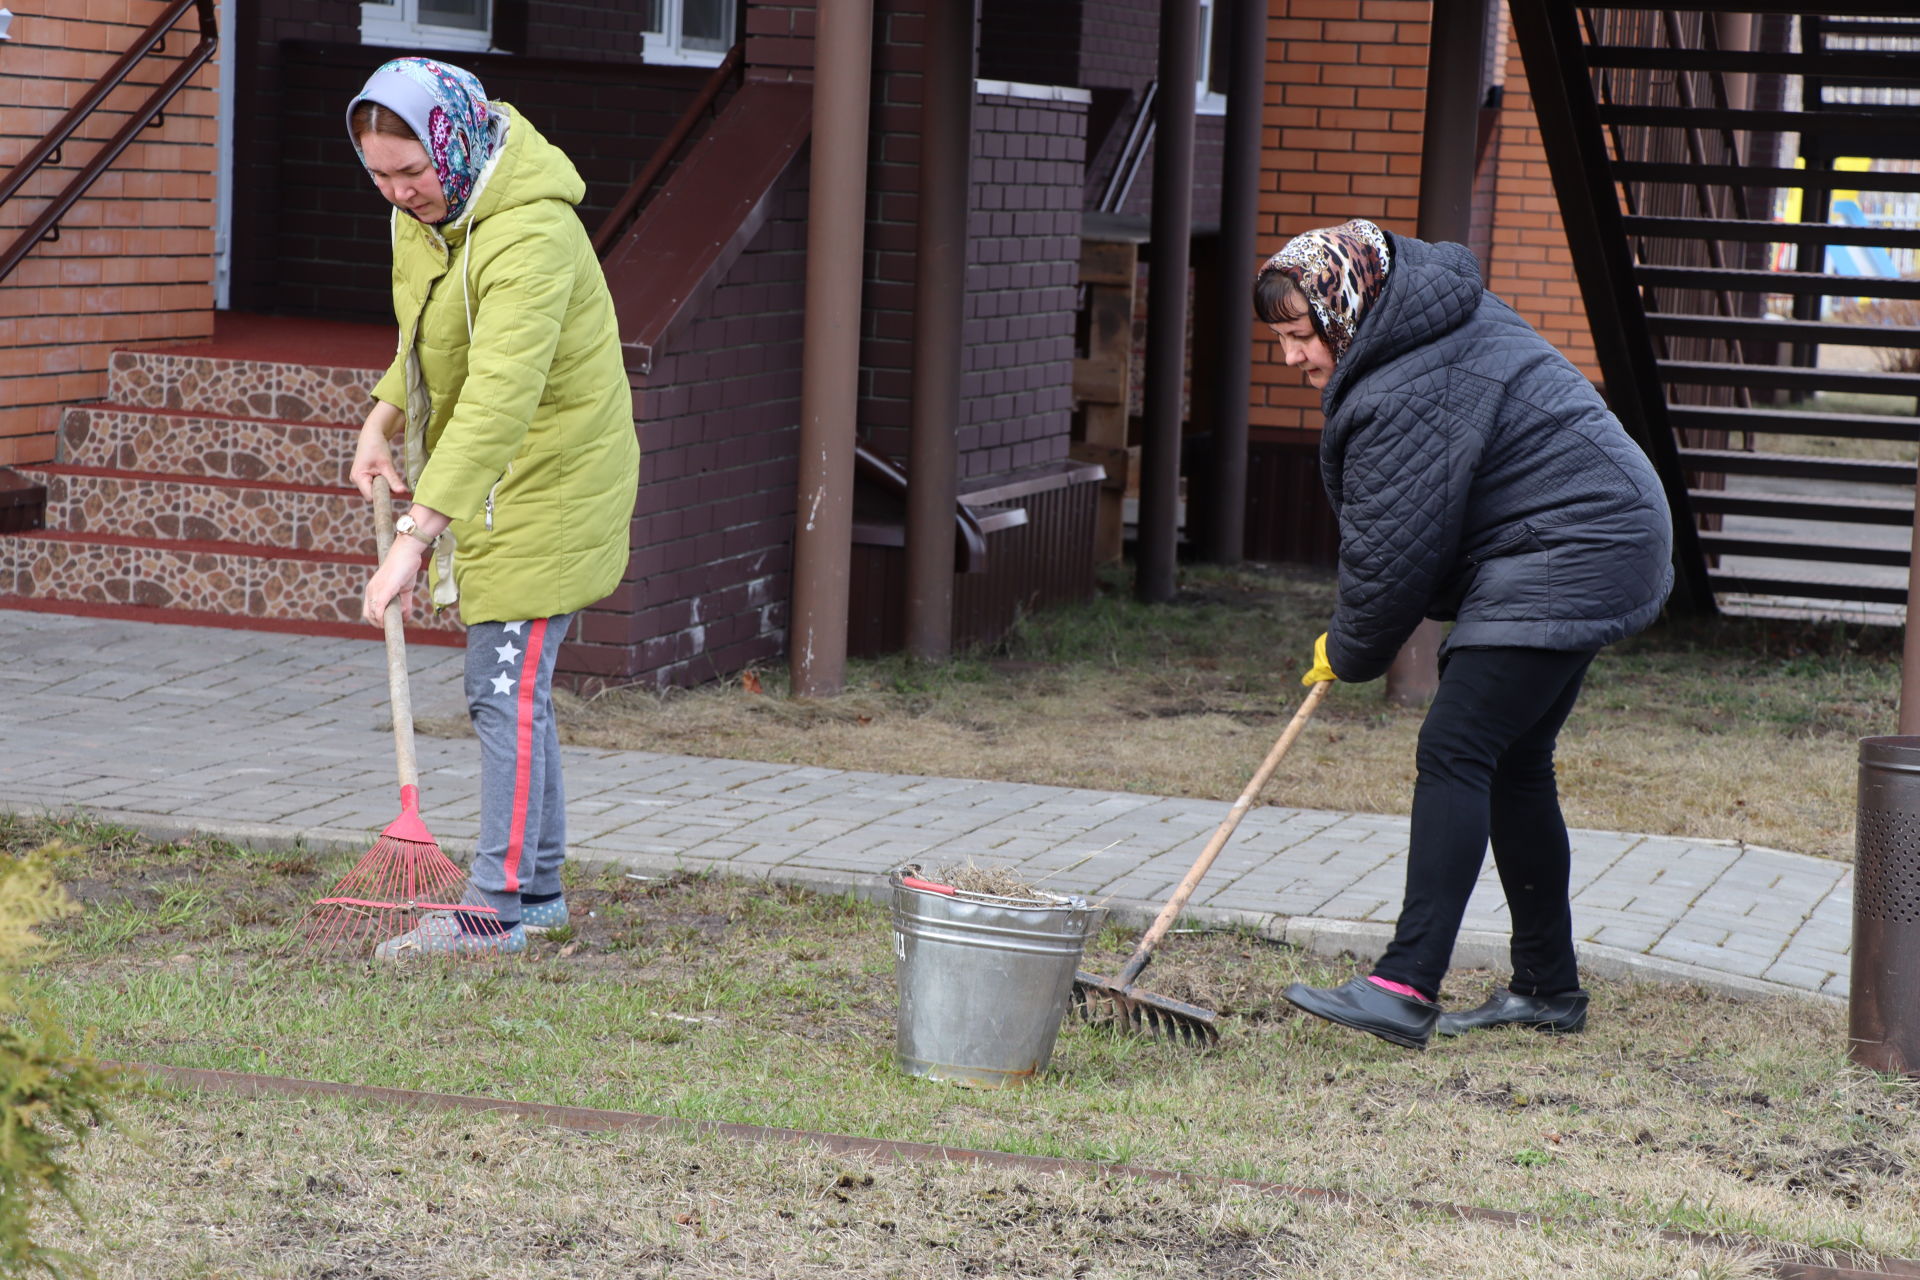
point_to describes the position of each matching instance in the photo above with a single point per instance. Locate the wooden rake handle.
(398, 693)
(1178, 902)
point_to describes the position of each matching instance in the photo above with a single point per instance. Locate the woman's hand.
(372, 456)
(394, 579)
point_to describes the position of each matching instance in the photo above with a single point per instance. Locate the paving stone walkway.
(274, 738)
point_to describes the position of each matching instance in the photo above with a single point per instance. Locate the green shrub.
(52, 1093)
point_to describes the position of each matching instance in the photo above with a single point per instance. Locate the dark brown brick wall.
(309, 170)
(330, 255)
(1023, 259)
(1023, 254)
(780, 39)
(1031, 43)
(707, 589)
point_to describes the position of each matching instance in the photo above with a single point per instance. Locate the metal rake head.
(1102, 1004)
(388, 891)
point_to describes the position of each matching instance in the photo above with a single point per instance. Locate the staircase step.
(214, 583)
(1767, 232)
(201, 509)
(1799, 422)
(1727, 328)
(1708, 373)
(1785, 507)
(240, 388)
(1802, 466)
(172, 442)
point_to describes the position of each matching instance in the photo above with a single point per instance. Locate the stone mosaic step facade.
(172, 442)
(207, 489)
(238, 388)
(193, 577)
(195, 509)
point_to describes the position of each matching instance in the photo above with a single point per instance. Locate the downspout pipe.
(830, 358)
(1456, 57)
(939, 312)
(1171, 236)
(1226, 532)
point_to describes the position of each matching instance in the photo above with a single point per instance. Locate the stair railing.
(49, 150)
(623, 213)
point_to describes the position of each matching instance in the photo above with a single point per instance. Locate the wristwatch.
(408, 525)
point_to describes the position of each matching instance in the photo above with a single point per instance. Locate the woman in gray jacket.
(1477, 477)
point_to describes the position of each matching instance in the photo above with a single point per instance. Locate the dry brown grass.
(283, 1191)
(711, 998)
(1739, 729)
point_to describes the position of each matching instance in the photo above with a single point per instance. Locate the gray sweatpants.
(523, 818)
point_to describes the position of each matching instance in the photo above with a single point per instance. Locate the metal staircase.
(1751, 367)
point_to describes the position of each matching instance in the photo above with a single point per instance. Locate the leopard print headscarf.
(1341, 270)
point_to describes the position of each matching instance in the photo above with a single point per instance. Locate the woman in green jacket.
(512, 400)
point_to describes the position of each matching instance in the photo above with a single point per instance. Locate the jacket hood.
(528, 169)
(1432, 290)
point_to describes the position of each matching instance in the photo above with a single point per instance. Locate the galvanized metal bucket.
(1884, 987)
(983, 981)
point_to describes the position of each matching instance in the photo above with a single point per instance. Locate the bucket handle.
(915, 882)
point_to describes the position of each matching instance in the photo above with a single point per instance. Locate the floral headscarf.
(1341, 270)
(448, 111)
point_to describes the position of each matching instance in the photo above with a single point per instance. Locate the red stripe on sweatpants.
(523, 751)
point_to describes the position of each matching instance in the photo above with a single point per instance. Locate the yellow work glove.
(1322, 669)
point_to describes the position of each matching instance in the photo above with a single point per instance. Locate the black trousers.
(1486, 772)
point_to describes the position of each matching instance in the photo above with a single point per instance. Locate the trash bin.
(983, 980)
(1883, 1020)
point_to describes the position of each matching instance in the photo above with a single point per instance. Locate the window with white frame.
(429, 24)
(689, 33)
(1210, 96)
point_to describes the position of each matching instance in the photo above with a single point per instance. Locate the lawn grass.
(1733, 728)
(716, 999)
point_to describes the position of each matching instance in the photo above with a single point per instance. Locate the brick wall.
(329, 251)
(268, 162)
(134, 261)
(1022, 262)
(780, 39)
(584, 30)
(1341, 136)
(1532, 267)
(1030, 43)
(707, 588)
(1023, 253)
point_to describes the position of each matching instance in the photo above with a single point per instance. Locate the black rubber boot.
(1366, 1006)
(1560, 1015)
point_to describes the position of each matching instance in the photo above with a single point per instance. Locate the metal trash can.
(983, 981)
(1883, 1020)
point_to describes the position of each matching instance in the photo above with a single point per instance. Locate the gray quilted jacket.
(1479, 477)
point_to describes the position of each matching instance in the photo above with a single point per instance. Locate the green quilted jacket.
(519, 414)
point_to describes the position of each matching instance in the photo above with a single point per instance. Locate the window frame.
(397, 24)
(1205, 101)
(661, 46)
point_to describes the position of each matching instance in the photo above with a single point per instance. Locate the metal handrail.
(1126, 166)
(621, 216)
(48, 149)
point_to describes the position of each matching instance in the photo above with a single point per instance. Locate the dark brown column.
(1456, 54)
(1225, 531)
(939, 310)
(830, 364)
(1172, 233)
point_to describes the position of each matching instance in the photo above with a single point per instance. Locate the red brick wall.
(1346, 85)
(707, 588)
(134, 261)
(1532, 267)
(1341, 137)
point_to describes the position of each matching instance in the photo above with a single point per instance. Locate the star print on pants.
(507, 652)
(503, 684)
(512, 628)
